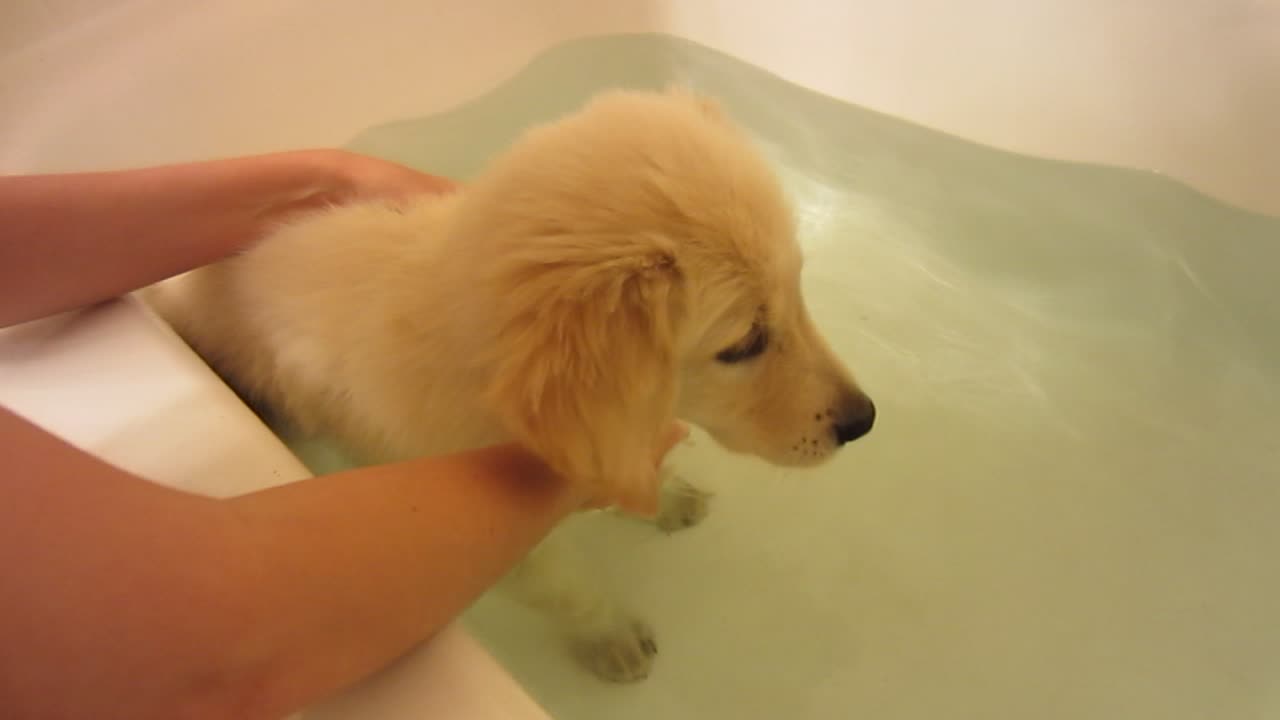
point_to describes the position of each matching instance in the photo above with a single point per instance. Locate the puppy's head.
(644, 265)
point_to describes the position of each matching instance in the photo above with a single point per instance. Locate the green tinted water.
(1068, 509)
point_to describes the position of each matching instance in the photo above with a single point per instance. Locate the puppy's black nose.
(848, 430)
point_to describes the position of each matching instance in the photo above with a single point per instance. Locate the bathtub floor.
(1068, 508)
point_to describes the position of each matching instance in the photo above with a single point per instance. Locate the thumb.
(644, 501)
(675, 433)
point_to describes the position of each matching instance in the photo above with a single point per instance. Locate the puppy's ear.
(586, 357)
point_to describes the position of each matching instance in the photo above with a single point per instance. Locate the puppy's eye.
(750, 346)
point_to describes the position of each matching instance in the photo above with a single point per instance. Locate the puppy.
(631, 263)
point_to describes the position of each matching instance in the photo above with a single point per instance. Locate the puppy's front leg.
(609, 641)
(683, 504)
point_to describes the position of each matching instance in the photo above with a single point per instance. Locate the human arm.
(123, 598)
(70, 240)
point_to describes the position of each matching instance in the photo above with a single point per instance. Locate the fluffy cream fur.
(601, 277)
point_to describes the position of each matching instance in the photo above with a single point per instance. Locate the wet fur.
(574, 297)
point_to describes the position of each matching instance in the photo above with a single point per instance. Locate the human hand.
(338, 177)
(645, 502)
(374, 178)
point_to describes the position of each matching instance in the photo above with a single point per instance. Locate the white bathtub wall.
(1185, 87)
(152, 81)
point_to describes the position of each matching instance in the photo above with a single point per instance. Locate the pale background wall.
(1186, 87)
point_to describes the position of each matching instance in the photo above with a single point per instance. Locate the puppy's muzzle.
(855, 419)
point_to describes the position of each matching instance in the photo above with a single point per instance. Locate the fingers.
(643, 500)
(675, 433)
(372, 177)
(400, 182)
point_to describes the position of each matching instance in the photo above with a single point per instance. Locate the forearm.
(75, 239)
(122, 598)
(358, 567)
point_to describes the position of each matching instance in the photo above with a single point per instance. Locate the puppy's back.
(321, 320)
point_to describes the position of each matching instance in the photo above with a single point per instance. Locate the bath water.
(1068, 508)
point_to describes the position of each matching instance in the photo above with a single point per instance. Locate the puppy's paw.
(623, 654)
(683, 505)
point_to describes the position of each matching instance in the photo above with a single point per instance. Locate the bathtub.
(1185, 90)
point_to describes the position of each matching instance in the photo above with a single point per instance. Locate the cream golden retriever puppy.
(631, 263)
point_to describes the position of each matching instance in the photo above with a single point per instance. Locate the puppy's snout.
(856, 420)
